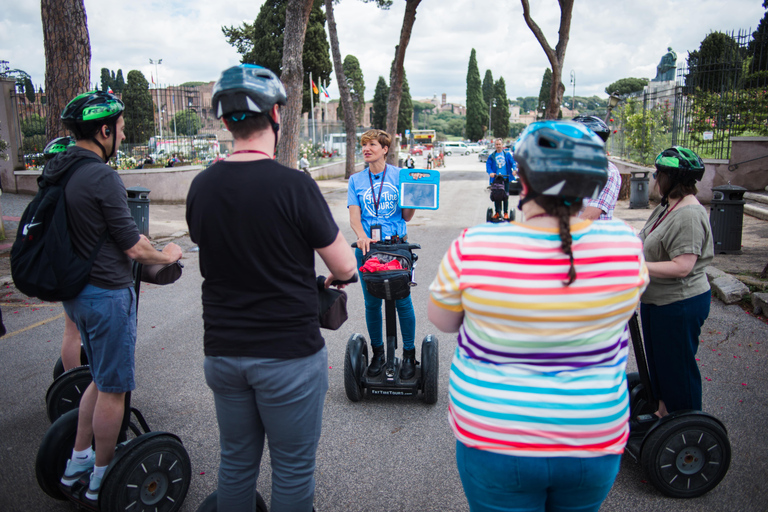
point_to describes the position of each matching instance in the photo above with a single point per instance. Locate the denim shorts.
(106, 320)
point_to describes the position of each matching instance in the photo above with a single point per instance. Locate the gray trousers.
(282, 399)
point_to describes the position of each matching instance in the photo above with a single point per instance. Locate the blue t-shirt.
(389, 215)
(501, 163)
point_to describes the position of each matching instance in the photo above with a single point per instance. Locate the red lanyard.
(252, 151)
(376, 200)
(665, 216)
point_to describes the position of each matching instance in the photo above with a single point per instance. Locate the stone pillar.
(9, 132)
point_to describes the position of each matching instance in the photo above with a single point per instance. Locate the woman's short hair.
(379, 135)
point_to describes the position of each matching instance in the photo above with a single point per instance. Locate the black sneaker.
(408, 368)
(377, 361)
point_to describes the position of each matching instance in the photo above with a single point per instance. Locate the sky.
(609, 39)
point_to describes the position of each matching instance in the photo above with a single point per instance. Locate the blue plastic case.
(420, 189)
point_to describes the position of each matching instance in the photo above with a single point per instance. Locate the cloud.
(608, 40)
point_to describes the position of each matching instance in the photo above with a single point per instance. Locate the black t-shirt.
(257, 225)
(97, 201)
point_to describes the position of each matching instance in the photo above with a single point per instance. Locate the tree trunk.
(67, 58)
(557, 56)
(296, 20)
(346, 96)
(396, 78)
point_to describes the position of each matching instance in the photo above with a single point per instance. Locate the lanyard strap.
(376, 200)
(661, 218)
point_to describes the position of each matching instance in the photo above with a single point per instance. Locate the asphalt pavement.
(383, 453)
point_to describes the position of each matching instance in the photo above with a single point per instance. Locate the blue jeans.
(671, 338)
(495, 483)
(106, 320)
(373, 317)
(281, 399)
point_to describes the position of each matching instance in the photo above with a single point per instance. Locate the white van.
(459, 148)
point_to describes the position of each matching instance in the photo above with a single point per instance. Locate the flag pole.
(312, 104)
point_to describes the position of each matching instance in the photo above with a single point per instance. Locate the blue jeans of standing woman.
(373, 317)
(506, 483)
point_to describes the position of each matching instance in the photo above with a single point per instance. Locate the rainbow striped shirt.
(539, 370)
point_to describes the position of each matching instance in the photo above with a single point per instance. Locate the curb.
(726, 287)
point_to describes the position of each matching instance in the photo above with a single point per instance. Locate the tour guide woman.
(537, 390)
(372, 199)
(678, 247)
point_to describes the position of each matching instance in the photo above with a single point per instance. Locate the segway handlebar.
(338, 282)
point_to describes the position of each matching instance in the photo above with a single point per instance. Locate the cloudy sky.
(609, 39)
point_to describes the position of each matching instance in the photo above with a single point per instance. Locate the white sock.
(98, 471)
(82, 455)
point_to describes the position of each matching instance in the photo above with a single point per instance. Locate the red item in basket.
(374, 265)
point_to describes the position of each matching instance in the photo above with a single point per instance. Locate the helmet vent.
(547, 143)
(253, 107)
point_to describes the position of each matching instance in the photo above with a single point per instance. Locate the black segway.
(684, 454)
(498, 193)
(150, 471)
(391, 285)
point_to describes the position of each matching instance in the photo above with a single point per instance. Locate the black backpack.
(44, 263)
(497, 189)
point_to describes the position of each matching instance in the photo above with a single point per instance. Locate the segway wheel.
(153, 475)
(209, 504)
(430, 366)
(66, 391)
(355, 363)
(687, 456)
(511, 215)
(489, 215)
(53, 453)
(58, 368)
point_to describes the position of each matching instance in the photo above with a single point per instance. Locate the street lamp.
(157, 90)
(490, 118)
(613, 101)
(573, 98)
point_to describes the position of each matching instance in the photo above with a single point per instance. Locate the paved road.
(381, 454)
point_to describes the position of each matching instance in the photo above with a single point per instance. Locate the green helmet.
(90, 111)
(58, 145)
(682, 165)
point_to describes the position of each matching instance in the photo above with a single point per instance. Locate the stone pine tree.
(139, 110)
(262, 43)
(296, 19)
(488, 86)
(476, 108)
(379, 115)
(67, 57)
(500, 117)
(397, 74)
(405, 114)
(556, 55)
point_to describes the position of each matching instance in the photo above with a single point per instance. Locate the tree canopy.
(626, 86)
(405, 111)
(546, 85)
(488, 87)
(717, 65)
(261, 43)
(112, 80)
(139, 110)
(354, 75)
(476, 107)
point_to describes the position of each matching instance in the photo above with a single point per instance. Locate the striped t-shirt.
(539, 367)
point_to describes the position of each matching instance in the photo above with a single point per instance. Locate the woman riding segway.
(374, 214)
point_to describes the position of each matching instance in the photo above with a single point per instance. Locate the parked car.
(417, 150)
(483, 155)
(474, 147)
(456, 147)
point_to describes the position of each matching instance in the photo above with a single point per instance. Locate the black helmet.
(562, 159)
(90, 111)
(247, 89)
(595, 124)
(683, 165)
(58, 145)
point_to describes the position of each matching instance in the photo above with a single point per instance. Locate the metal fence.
(718, 94)
(170, 125)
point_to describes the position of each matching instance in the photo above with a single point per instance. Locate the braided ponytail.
(563, 211)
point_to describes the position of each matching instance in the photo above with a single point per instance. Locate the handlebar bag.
(389, 284)
(497, 189)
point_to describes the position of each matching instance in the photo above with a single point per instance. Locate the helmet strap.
(114, 143)
(529, 196)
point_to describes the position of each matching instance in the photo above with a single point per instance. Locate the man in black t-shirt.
(258, 225)
(105, 310)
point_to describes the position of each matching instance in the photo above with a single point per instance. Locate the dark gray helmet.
(246, 90)
(562, 159)
(595, 124)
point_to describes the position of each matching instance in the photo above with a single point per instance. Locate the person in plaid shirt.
(602, 207)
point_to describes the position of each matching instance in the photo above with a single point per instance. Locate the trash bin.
(638, 190)
(138, 202)
(726, 216)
